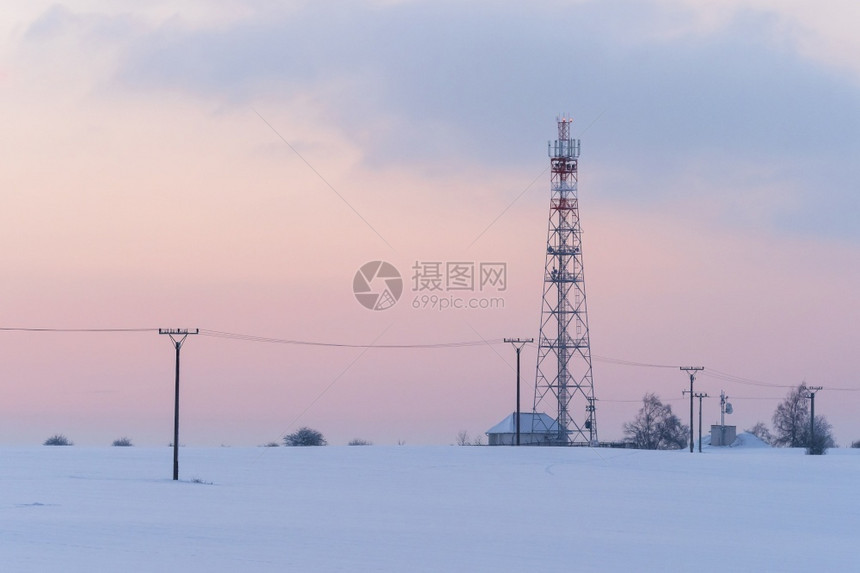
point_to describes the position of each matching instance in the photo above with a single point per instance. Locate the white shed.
(535, 429)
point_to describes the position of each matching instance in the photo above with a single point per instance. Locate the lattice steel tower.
(564, 386)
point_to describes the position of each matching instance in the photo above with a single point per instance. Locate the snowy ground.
(382, 508)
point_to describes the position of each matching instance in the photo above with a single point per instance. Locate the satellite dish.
(729, 408)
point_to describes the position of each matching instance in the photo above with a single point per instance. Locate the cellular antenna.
(563, 381)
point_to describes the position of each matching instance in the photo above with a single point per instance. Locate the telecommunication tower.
(564, 384)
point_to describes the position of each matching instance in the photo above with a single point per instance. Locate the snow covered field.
(402, 508)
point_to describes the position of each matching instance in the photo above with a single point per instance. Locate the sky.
(230, 166)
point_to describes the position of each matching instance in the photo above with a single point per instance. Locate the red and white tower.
(564, 386)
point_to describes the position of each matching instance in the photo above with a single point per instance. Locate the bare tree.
(462, 438)
(791, 424)
(761, 432)
(791, 419)
(655, 427)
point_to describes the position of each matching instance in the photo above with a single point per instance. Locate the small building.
(535, 429)
(723, 435)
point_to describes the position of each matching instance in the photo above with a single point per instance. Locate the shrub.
(821, 439)
(58, 440)
(122, 443)
(360, 442)
(305, 437)
(464, 440)
(855, 444)
(271, 445)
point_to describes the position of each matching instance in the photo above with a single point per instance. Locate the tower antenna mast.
(564, 380)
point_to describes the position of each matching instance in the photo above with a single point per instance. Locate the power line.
(725, 376)
(23, 329)
(254, 338)
(710, 372)
(623, 362)
(269, 340)
(716, 374)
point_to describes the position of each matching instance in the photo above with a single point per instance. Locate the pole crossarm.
(695, 394)
(178, 335)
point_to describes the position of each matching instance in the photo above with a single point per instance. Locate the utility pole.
(177, 336)
(700, 396)
(590, 422)
(518, 344)
(811, 395)
(691, 370)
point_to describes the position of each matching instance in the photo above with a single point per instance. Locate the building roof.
(541, 423)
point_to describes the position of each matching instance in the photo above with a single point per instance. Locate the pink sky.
(167, 205)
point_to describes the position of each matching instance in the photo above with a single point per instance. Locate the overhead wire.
(623, 362)
(708, 372)
(25, 329)
(254, 338)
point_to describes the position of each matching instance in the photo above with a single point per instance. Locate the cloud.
(667, 92)
(824, 33)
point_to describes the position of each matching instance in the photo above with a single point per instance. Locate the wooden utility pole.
(518, 344)
(691, 370)
(177, 336)
(811, 395)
